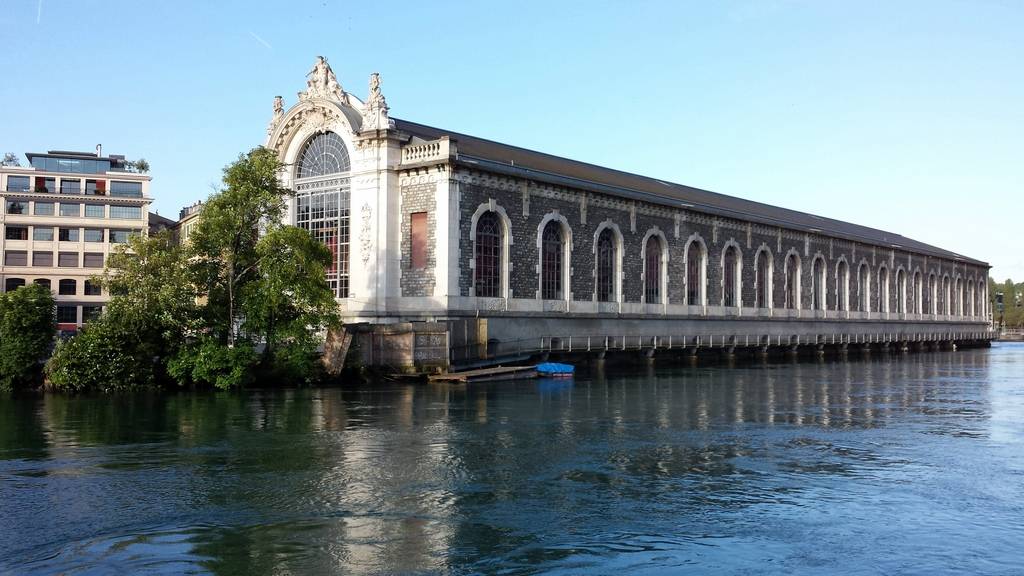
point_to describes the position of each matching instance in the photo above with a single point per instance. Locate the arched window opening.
(970, 298)
(323, 154)
(864, 287)
(652, 270)
(930, 296)
(946, 295)
(606, 262)
(44, 282)
(919, 294)
(67, 287)
(12, 284)
(695, 274)
(322, 205)
(552, 261)
(487, 271)
(762, 280)
(901, 291)
(730, 277)
(818, 284)
(843, 288)
(792, 282)
(883, 290)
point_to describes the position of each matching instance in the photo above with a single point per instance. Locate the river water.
(899, 465)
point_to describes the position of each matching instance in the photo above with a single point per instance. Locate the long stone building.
(450, 246)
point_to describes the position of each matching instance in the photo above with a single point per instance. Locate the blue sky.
(906, 116)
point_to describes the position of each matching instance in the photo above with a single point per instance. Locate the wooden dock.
(488, 374)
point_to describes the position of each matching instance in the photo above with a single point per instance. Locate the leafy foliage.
(104, 356)
(27, 329)
(210, 363)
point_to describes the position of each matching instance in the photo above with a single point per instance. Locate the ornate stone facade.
(867, 282)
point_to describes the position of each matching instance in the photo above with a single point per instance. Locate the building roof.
(514, 161)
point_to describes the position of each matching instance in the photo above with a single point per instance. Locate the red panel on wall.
(418, 239)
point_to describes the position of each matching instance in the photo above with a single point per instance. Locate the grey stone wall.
(420, 197)
(526, 212)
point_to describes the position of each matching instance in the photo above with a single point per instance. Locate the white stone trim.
(506, 246)
(703, 270)
(769, 276)
(663, 287)
(798, 305)
(738, 288)
(555, 216)
(822, 281)
(619, 249)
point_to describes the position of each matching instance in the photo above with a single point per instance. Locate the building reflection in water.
(420, 478)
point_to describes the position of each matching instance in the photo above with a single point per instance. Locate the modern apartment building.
(63, 214)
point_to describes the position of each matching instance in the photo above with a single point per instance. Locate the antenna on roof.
(99, 150)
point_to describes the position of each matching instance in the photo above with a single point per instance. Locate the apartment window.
(92, 288)
(126, 212)
(418, 238)
(91, 312)
(120, 236)
(67, 314)
(96, 187)
(70, 209)
(70, 186)
(42, 234)
(44, 209)
(68, 235)
(46, 184)
(67, 287)
(44, 259)
(94, 211)
(92, 235)
(126, 189)
(19, 183)
(44, 282)
(67, 260)
(12, 284)
(15, 258)
(16, 207)
(92, 260)
(16, 233)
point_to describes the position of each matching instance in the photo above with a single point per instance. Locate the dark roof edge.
(569, 181)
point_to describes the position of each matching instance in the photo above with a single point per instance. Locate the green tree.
(27, 329)
(224, 243)
(152, 309)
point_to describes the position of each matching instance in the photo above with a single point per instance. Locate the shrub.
(27, 329)
(102, 357)
(208, 362)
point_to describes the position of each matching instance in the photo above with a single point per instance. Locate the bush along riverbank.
(191, 315)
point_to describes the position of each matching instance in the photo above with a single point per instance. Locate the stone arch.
(901, 289)
(864, 286)
(616, 260)
(819, 282)
(655, 232)
(793, 279)
(737, 280)
(695, 295)
(947, 294)
(842, 280)
(505, 265)
(566, 266)
(764, 278)
(917, 284)
(884, 292)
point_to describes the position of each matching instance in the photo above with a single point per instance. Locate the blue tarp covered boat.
(555, 369)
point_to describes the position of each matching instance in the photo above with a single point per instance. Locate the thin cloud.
(39, 12)
(255, 36)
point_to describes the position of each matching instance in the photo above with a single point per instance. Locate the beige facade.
(62, 216)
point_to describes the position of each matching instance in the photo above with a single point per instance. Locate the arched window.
(487, 271)
(695, 275)
(883, 289)
(918, 293)
(552, 261)
(818, 284)
(322, 155)
(947, 307)
(842, 286)
(652, 270)
(730, 277)
(44, 282)
(67, 287)
(970, 298)
(931, 295)
(793, 282)
(864, 287)
(12, 284)
(322, 201)
(901, 291)
(763, 279)
(606, 263)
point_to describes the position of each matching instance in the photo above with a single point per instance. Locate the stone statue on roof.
(321, 82)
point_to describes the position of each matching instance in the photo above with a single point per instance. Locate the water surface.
(910, 465)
